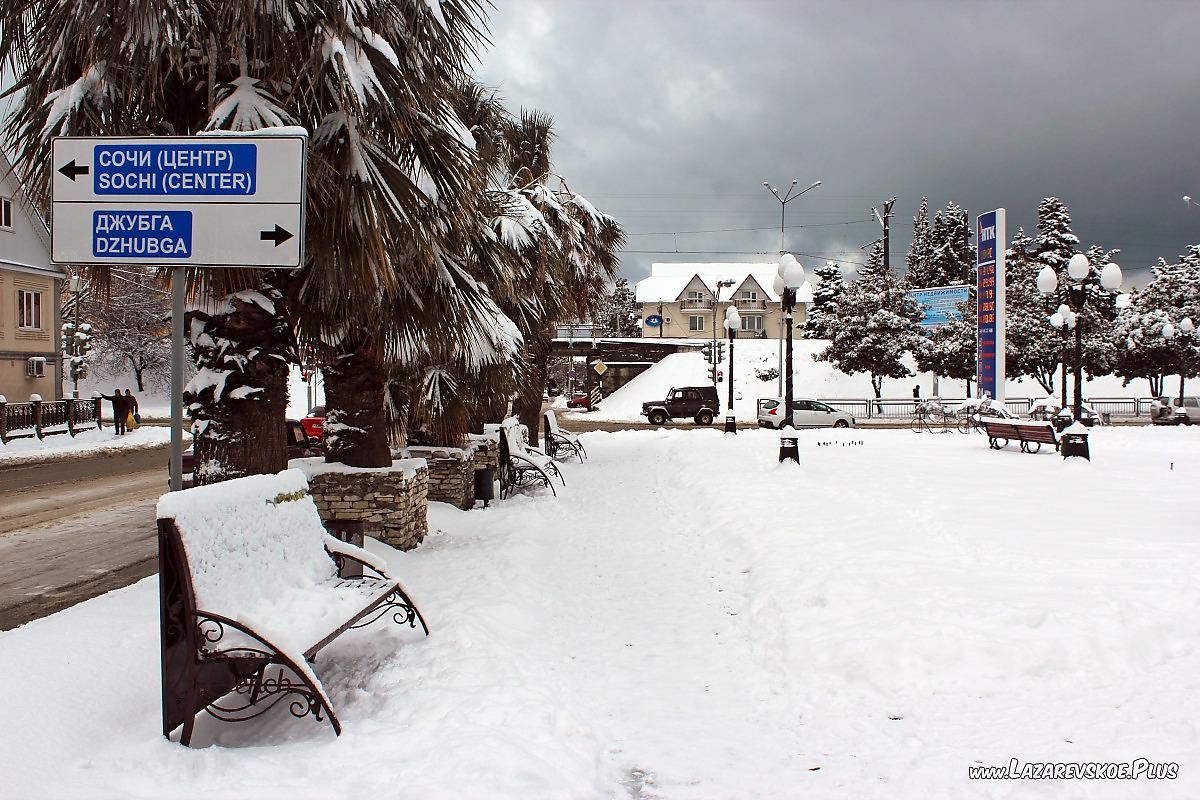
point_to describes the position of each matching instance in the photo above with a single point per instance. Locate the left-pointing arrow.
(278, 236)
(73, 170)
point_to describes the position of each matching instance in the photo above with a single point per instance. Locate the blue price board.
(989, 262)
(219, 168)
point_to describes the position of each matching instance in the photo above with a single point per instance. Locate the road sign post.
(224, 200)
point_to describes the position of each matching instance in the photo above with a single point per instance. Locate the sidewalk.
(89, 444)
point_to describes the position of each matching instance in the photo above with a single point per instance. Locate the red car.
(583, 401)
(314, 423)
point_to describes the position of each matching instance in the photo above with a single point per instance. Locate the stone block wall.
(451, 474)
(392, 503)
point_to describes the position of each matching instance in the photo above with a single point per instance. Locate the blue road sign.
(157, 234)
(216, 201)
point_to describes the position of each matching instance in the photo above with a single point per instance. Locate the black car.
(698, 403)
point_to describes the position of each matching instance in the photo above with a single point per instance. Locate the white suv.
(1175, 411)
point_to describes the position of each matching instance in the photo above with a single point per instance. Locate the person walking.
(131, 400)
(120, 410)
(917, 392)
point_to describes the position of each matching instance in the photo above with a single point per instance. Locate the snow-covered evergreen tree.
(1055, 242)
(1172, 295)
(618, 311)
(918, 252)
(1033, 348)
(951, 258)
(877, 324)
(828, 289)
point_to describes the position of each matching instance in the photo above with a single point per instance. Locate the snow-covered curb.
(90, 444)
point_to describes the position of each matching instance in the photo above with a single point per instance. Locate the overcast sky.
(670, 115)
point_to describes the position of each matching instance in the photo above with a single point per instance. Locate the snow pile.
(256, 550)
(92, 442)
(869, 624)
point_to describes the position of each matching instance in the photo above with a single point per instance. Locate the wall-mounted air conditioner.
(35, 367)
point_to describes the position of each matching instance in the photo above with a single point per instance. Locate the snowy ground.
(90, 443)
(812, 379)
(690, 620)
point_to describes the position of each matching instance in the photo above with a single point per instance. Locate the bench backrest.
(551, 421)
(247, 540)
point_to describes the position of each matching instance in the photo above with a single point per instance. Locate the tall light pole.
(784, 199)
(1084, 282)
(788, 280)
(733, 322)
(1168, 332)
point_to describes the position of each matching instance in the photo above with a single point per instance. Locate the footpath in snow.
(691, 620)
(93, 442)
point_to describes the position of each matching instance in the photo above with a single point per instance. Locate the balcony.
(696, 304)
(750, 304)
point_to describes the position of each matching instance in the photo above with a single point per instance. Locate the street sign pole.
(178, 280)
(233, 201)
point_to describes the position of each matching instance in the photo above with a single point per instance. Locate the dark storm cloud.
(671, 114)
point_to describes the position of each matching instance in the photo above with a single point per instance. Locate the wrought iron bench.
(560, 443)
(250, 590)
(1031, 435)
(521, 465)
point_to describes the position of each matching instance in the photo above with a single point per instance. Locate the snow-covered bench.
(249, 592)
(1000, 432)
(522, 465)
(558, 441)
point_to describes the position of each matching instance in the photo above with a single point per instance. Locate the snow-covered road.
(690, 620)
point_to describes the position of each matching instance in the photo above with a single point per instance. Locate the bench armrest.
(336, 549)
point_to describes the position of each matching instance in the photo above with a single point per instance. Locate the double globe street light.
(1073, 298)
(788, 280)
(733, 323)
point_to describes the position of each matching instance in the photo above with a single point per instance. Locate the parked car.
(698, 403)
(806, 413)
(299, 445)
(580, 400)
(1175, 411)
(314, 423)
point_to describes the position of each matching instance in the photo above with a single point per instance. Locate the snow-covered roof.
(667, 282)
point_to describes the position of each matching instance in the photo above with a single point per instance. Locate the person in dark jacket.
(133, 405)
(917, 392)
(120, 410)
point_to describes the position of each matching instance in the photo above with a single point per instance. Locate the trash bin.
(1105, 418)
(1075, 443)
(485, 485)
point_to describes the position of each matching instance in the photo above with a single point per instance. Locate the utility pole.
(783, 201)
(884, 222)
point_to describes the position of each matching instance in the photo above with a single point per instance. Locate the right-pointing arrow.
(278, 236)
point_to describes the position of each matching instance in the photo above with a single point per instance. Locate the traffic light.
(77, 349)
(708, 352)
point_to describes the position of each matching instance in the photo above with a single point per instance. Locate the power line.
(732, 230)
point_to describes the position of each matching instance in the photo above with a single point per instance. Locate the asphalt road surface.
(73, 530)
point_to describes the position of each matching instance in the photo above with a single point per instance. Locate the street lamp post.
(784, 199)
(788, 280)
(1084, 282)
(77, 293)
(733, 322)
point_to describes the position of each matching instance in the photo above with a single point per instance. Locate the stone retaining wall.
(451, 474)
(391, 502)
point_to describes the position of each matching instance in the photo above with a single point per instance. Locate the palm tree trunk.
(355, 424)
(238, 399)
(528, 406)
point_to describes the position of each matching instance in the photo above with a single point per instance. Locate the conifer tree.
(918, 252)
(823, 313)
(877, 325)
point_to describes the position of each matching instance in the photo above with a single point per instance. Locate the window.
(697, 296)
(29, 310)
(752, 323)
(6, 220)
(749, 294)
(696, 323)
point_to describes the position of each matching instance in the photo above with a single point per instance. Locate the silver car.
(805, 414)
(1175, 411)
